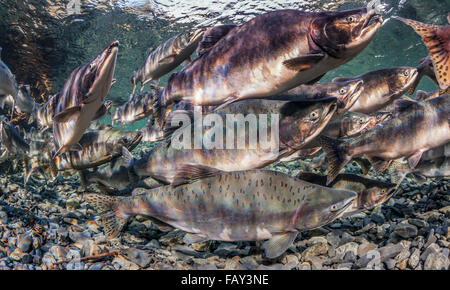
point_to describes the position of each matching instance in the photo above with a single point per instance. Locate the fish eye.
(343, 91)
(314, 115)
(334, 207)
(350, 19)
(406, 73)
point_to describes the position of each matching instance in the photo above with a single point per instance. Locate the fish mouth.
(412, 78)
(196, 35)
(369, 28)
(353, 95)
(347, 205)
(102, 68)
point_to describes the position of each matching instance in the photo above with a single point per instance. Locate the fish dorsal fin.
(340, 80)
(436, 40)
(212, 36)
(191, 172)
(402, 105)
(302, 63)
(312, 177)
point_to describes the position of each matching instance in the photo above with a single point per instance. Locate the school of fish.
(218, 189)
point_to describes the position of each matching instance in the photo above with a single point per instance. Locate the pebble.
(406, 231)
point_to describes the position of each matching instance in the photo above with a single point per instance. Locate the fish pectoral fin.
(67, 115)
(278, 244)
(189, 239)
(168, 59)
(126, 155)
(414, 159)
(302, 63)
(191, 172)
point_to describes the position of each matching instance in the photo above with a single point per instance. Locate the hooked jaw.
(353, 95)
(105, 64)
(367, 33)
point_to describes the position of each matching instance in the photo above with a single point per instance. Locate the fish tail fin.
(436, 41)
(337, 157)
(107, 207)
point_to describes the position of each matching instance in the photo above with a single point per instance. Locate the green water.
(42, 45)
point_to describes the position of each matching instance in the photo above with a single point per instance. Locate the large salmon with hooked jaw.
(382, 87)
(232, 206)
(81, 98)
(271, 54)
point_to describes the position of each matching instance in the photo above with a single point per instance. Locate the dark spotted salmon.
(232, 206)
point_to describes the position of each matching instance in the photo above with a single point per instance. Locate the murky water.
(43, 41)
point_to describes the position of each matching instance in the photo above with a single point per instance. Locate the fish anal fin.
(278, 244)
(302, 63)
(414, 159)
(192, 172)
(67, 115)
(190, 238)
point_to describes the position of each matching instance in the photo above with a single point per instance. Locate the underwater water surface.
(43, 41)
